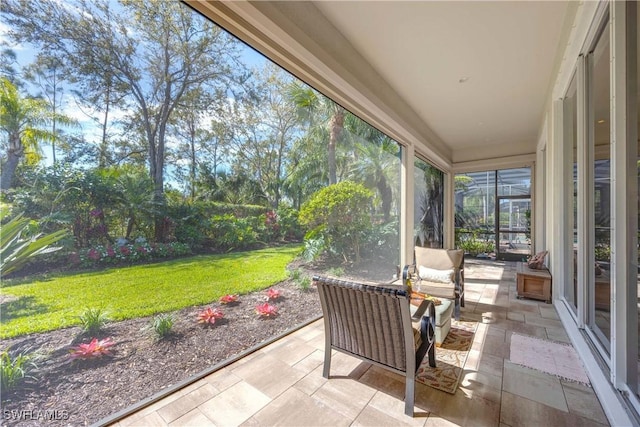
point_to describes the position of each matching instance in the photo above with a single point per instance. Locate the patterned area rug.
(555, 358)
(450, 358)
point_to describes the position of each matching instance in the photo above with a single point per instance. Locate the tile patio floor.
(282, 383)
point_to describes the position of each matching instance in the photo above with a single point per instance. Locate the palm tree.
(378, 167)
(323, 116)
(24, 120)
(376, 161)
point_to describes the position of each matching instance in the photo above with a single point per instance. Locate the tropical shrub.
(273, 294)
(266, 310)
(20, 241)
(314, 245)
(231, 233)
(340, 213)
(472, 244)
(382, 238)
(289, 226)
(228, 299)
(128, 253)
(209, 315)
(93, 350)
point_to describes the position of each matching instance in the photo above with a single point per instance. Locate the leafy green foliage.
(230, 232)
(13, 369)
(93, 320)
(18, 245)
(471, 242)
(336, 271)
(314, 245)
(340, 213)
(162, 325)
(56, 301)
(304, 283)
(24, 120)
(302, 280)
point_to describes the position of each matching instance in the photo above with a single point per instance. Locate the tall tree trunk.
(158, 184)
(9, 170)
(192, 174)
(335, 130)
(102, 162)
(386, 195)
(14, 153)
(53, 141)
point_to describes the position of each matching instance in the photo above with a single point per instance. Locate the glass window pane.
(514, 182)
(195, 156)
(599, 62)
(429, 205)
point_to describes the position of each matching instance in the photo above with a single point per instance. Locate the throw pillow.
(434, 275)
(536, 261)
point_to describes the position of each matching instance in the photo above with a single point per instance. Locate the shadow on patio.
(282, 383)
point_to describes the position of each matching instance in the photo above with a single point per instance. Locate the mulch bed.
(83, 392)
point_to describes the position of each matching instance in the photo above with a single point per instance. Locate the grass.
(49, 303)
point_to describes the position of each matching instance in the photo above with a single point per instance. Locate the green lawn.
(50, 303)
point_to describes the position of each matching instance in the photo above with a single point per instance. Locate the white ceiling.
(422, 49)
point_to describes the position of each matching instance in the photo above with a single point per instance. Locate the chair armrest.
(408, 271)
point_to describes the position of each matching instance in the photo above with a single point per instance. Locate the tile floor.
(282, 384)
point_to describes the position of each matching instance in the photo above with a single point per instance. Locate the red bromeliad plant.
(272, 294)
(266, 310)
(226, 299)
(96, 348)
(210, 315)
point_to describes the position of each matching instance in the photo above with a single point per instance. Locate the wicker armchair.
(373, 322)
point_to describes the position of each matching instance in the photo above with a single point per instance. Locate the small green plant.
(298, 276)
(304, 283)
(162, 325)
(93, 320)
(14, 369)
(295, 275)
(336, 271)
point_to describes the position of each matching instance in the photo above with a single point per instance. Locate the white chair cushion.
(434, 275)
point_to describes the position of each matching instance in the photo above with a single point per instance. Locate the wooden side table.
(534, 284)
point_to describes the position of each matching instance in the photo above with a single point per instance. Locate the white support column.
(449, 210)
(538, 191)
(407, 205)
(560, 235)
(624, 244)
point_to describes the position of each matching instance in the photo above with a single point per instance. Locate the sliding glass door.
(493, 213)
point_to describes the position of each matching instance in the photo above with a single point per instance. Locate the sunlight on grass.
(130, 292)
